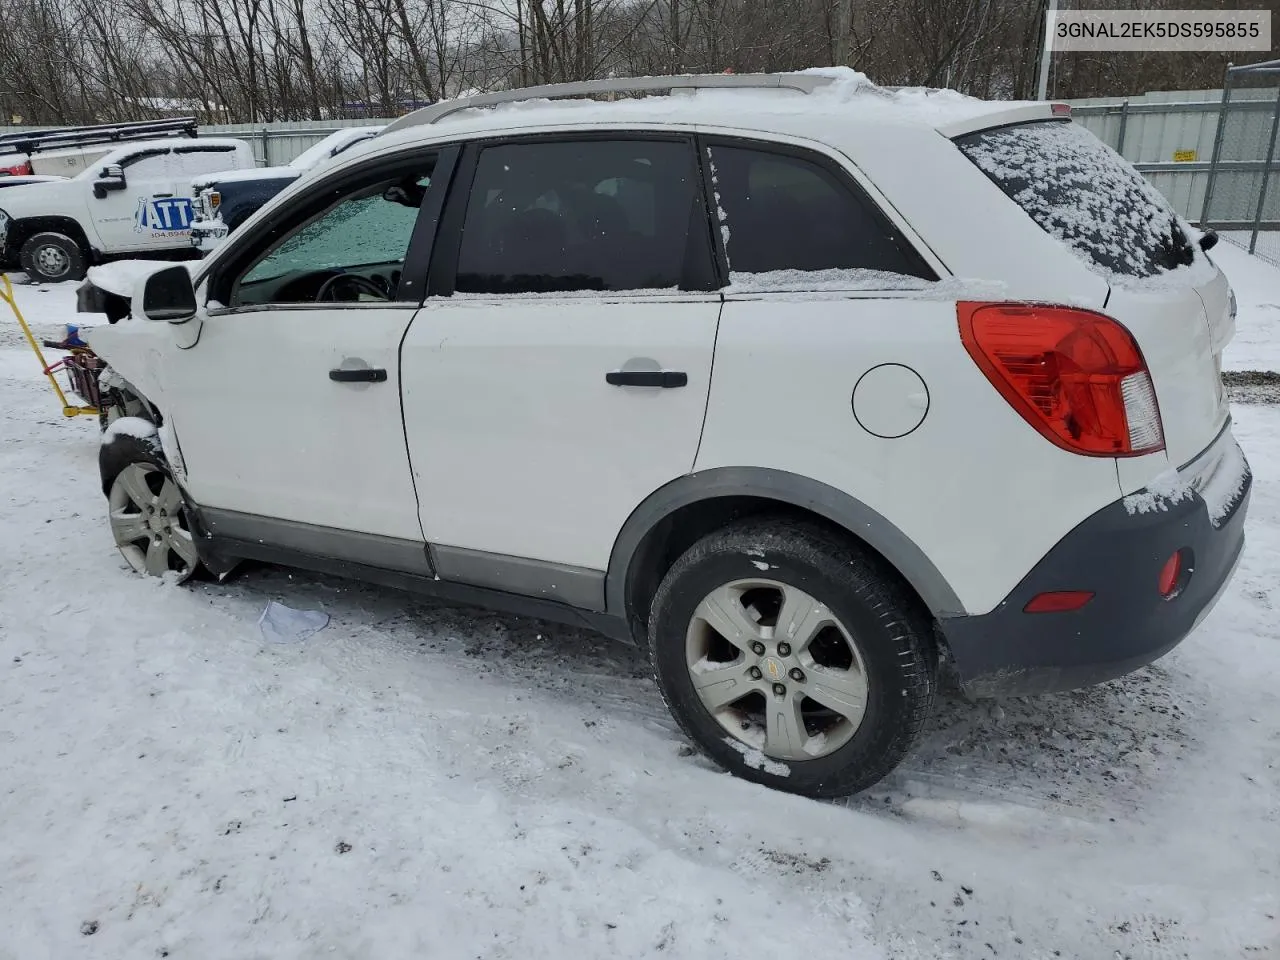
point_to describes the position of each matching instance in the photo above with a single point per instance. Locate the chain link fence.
(1242, 197)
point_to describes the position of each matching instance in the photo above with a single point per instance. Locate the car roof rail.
(61, 138)
(801, 82)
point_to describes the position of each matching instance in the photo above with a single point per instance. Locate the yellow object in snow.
(68, 410)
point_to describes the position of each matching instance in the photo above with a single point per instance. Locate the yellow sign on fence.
(1184, 156)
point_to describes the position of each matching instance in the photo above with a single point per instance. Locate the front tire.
(53, 257)
(792, 657)
(148, 514)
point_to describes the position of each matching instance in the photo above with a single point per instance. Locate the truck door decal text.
(163, 216)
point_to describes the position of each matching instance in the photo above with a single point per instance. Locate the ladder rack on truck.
(33, 142)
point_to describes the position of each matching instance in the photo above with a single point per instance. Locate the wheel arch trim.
(24, 228)
(849, 513)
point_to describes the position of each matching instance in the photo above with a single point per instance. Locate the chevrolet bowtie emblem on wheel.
(772, 669)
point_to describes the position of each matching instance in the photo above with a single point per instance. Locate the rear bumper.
(1118, 554)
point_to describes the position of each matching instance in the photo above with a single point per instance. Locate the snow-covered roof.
(167, 143)
(847, 97)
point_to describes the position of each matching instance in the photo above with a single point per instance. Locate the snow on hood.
(121, 276)
(32, 199)
(238, 176)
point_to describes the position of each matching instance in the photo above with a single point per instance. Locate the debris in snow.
(282, 624)
(135, 427)
(342, 847)
(1163, 492)
(89, 928)
(757, 760)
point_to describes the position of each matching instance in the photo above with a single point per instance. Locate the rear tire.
(829, 703)
(53, 257)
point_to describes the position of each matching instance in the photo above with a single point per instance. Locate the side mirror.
(111, 178)
(1208, 240)
(165, 295)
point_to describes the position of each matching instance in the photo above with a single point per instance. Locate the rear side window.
(189, 162)
(548, 217)
(1079, 190)
(781, 213)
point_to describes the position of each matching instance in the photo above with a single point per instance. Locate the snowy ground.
(1257, 286)
(426, 781)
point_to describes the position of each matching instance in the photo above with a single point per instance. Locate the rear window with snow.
(1084, 193)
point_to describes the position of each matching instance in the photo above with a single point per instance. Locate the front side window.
(590, 215)
(781, 214)
(351, 250)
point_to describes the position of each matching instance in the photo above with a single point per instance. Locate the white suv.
(811, 386)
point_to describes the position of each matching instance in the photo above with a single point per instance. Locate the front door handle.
(359, 375)
(666, 379)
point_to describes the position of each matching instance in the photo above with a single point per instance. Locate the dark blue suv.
(223, 201)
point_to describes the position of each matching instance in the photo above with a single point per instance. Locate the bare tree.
(79, 61)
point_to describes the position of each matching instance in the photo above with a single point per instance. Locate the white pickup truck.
(133, 201)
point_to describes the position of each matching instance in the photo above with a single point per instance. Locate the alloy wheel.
(52, 260)
(777, 669)
(149, 523)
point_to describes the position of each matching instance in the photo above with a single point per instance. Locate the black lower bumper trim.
(1117, 553)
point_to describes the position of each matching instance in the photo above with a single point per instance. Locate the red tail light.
(1077, 376)
(22, 169)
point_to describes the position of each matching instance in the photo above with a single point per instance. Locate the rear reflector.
(1077, 376)
(1058, 601)
(1170, 575)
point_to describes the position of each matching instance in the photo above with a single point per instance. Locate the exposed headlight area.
(206, 203)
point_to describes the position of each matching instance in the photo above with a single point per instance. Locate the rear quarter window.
(1079, 190)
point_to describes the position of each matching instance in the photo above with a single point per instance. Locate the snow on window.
(1084, 193)
(795, 221)
(819, 281)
